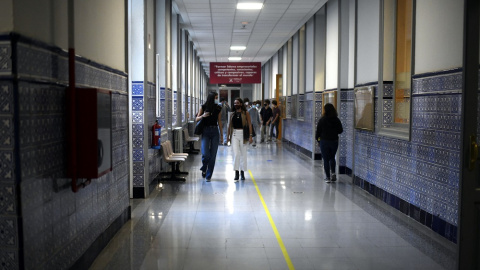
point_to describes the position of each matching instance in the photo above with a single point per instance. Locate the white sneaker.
(327, 180)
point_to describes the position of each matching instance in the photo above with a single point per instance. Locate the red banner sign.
(235, 72)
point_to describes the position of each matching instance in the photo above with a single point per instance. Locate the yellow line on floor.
(279, 239)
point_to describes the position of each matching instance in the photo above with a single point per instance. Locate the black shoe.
(204, 174)
(242, 176)
(236, 176)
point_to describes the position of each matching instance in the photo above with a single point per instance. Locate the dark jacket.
(328, 128)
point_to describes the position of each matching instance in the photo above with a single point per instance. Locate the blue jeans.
(329, 150)
(210, 138)
(274, 126)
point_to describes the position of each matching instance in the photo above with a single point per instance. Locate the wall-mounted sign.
(235, 72)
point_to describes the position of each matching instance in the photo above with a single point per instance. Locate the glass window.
(403, 59)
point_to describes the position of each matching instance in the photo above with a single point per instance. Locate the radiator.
(178, 140)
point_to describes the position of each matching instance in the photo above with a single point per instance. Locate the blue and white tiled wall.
(345, 147)
(419, 177)
(143, 102)
(298, 132)
(138, 131)
(52, 226)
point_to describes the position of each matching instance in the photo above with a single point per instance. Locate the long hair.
(242, 104)
(210, 105)
(330, 110)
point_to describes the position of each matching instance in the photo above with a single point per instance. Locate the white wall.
(99, 36)
(273, 78)
(35, 19)
(309, 66)
(439, 35)
(367, 41)
(285, 68)
(136, 42)
(351, 44)
(344, 43)
(6, 16)
(331, 71)
(150, 33)
(295, 64)
(266, 80)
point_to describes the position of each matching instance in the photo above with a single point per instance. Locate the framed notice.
(364, 110)
(329, 97)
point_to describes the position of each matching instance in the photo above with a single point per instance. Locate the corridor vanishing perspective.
(283, 216)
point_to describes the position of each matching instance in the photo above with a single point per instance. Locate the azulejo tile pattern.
(425, 171)
(5, 58)
(138, 133)
(299, 132)
(153, 155)
(301, 106)
(437, 83)
(387, 106)
(58, 225)
(346, 138)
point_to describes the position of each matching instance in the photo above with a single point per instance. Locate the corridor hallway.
(224, 225)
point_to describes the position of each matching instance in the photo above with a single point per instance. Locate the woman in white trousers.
(239, 123)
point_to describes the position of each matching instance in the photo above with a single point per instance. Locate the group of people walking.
(243, 123)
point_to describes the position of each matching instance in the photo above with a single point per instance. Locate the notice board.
(235, 72)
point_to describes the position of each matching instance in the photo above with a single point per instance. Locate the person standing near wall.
(210, 112)
(225, 110)
(328, 128)
(255, 119)
(275, 121)
(266, 115)
(239, 120)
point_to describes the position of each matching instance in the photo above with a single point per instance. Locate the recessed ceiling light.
(234, 58)
(249, 6)
(237, 48)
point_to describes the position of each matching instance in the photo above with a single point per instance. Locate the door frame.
(469, 195)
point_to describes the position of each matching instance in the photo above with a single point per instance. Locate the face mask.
(265, 104)
(258, 106)
(216, 101)
(238, 106)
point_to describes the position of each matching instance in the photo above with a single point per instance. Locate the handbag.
(246, 132)
(199, 127)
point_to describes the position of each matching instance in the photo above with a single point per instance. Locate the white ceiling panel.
(215, 25)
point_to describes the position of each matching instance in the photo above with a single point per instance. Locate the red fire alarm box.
(94, 132)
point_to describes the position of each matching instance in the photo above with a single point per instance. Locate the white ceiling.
(215, 25)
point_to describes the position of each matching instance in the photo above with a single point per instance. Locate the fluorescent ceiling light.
(237, 48)
(234, 58)
(249, 6)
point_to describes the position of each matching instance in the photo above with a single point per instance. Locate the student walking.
(238, 138)
(225, 110)
(266, 115)
(210, 112)
(275, 121)
(328, 128)
(255, 119)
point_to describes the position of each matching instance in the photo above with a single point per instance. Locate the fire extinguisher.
(156, 130)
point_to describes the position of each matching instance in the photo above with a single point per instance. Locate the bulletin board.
(364, 114)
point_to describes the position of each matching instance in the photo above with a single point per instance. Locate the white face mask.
(216, 101)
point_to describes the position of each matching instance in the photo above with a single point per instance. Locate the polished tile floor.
(283, 216)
